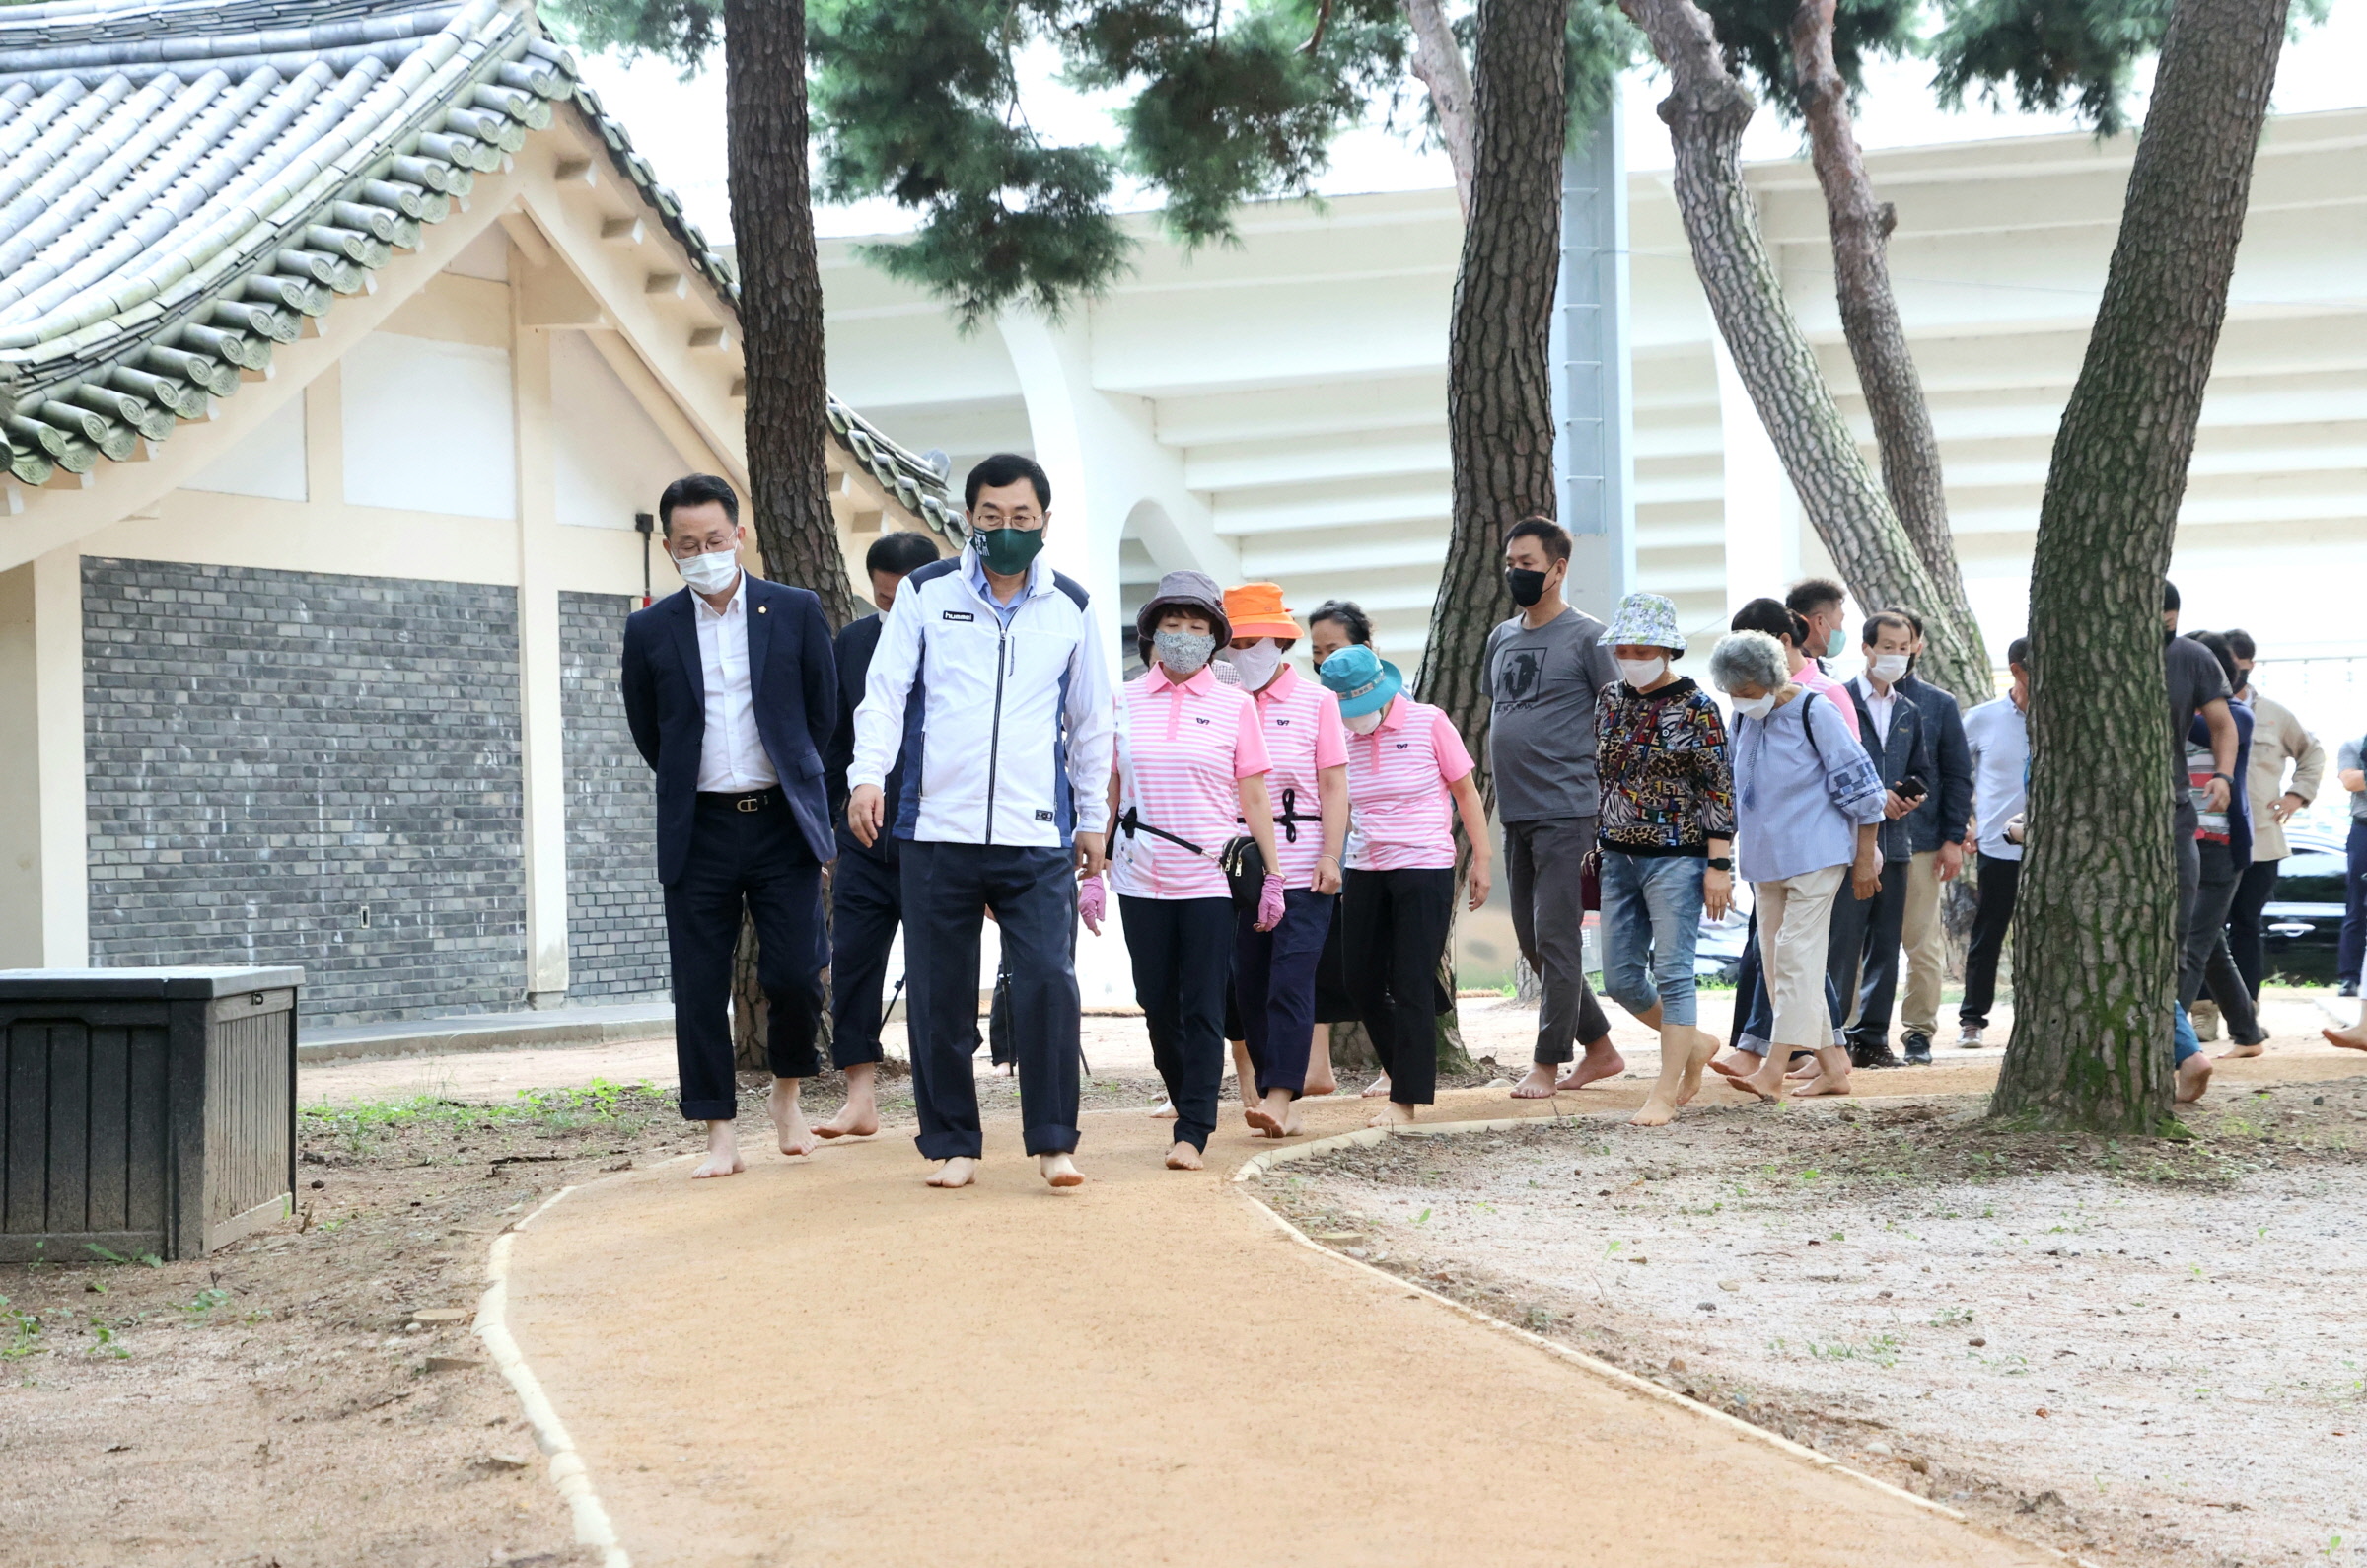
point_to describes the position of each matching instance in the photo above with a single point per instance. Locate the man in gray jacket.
(1541, 672)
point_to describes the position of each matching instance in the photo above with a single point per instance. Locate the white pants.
(1795, 921)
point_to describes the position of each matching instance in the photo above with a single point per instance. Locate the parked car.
(2303, 922)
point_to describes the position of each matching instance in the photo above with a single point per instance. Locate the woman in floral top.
(1666, 824)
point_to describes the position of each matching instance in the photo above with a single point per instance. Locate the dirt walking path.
(826, 1361)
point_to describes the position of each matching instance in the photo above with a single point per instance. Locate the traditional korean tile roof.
(184, 182)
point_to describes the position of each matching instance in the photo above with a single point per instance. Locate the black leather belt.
(753, 801)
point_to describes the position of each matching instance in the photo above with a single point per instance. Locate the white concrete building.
(1279, 409)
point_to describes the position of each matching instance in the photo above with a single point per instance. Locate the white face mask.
(1887, 667)
(1641, 673)
(1755, 707)
(710, 573)
(1363, 723)
(1257, 664)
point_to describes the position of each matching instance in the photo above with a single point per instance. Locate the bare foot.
(1320, 1079)
(2235, 1052)
(1705, 1045)
(1536, 1084)
(1165, 1110)
(1767, 1082)
(1181, 1156)
(859, 1117)
(1393, 1115)
(2353, 1039)
(2193, 1079)
(1822, 1083)
(723, 1154)
(1599, 1061)
(1061, 1170)
(789, 1119)
(1272, 1115)
(1736, 1064)
(958, 1171)
(1378, 1088)
(1291, 1126)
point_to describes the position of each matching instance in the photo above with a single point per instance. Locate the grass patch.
(624, 1107)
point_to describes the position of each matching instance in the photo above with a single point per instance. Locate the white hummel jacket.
(1006, 730)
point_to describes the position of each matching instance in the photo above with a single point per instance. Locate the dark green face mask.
(1007, 552)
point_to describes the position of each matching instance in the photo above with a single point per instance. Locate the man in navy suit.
(1900, 737)
(865, 893)
(731, 694)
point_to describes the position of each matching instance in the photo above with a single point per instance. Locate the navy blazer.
(1912, 747)
(1947, 821)
(793, 685)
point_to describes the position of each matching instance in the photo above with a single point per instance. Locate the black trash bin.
(144, 1110)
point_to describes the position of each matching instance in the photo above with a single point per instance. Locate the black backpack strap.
(1806, 697)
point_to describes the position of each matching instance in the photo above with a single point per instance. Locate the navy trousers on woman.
(758, 861)
(947, 890)
(1182, 954)
(1273, 979)
(1396, 927)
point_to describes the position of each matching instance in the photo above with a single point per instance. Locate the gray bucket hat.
(1193, 590)
(1646, 620)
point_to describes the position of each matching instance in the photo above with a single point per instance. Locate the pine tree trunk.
(1705, 112)
(1439, 66)
(787, 425)
(2094, 939)
(780, 300)
(1860, 227)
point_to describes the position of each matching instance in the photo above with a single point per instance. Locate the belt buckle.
(749, 803)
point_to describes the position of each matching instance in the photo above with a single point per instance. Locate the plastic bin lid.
(58, 985)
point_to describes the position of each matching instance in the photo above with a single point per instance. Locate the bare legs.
(1275, 1116)
(1602, 1060)
(789, 1126)
(1684, 1051)
(859, 1117)
(1320, 1079)
(2194, 1077)
(1059, 1170)
(723, 1154)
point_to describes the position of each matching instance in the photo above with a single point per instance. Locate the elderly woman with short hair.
(1808, 806)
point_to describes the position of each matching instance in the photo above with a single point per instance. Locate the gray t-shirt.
(1540, 735)
(2347, 756)
(2196, 677)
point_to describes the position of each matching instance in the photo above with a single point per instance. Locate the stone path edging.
(568, 1472)
(1256, 1165)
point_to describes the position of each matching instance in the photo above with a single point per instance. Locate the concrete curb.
(1255, 1168)
(567, 1469)
(455, 1036)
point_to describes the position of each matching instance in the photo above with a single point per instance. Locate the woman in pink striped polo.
(1190, 764)
(1274, 971)
(1406, 763)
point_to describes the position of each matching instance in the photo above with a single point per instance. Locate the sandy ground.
(2158, 1363)
(1144, 1370)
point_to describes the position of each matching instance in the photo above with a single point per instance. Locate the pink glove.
(1269, 903)
(1093, 903)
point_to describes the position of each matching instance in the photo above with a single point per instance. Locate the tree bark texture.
(1705, 112)
(1860, 227)
(2094, 939)
(1439, 66)
(780, 300)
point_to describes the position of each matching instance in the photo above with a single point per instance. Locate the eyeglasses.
(993, 517)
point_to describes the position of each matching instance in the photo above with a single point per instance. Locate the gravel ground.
(2143, 1351)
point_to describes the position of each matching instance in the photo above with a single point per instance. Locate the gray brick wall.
(615, 911)
(273, 756)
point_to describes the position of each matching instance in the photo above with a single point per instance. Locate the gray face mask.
(1184, 652)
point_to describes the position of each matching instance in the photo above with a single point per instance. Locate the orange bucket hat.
(1255, 610)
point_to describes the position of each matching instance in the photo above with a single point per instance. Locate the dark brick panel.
(276, 755)
(615, 911)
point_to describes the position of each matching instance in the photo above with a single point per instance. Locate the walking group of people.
(1282, 848)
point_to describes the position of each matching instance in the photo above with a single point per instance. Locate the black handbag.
(1241, 860)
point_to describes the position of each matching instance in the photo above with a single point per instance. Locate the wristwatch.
(1720, 863)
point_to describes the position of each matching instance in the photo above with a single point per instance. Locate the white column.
(1594, 380)
(63, 809)
(541, 735)
(1762, 555)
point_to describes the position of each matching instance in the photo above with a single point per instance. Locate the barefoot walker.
(731, 695)
(1666, 824)
(1191, 764)
(1275, 971)
(1405, 761)
(1806, 807)
(989, 683)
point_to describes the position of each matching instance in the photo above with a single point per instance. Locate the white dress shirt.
(1878, 704)
(731, 754)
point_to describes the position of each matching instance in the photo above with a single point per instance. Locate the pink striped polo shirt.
(1303, 736)
(1183, 748)
(1401, 816)
(1813, 678)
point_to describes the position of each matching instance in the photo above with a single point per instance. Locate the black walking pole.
(645, 526)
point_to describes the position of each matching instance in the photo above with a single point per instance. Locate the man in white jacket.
(989, 680)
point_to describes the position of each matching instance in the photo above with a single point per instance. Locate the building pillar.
(1593, 381)
(1762, 543)
(44, 871)
(541, 734)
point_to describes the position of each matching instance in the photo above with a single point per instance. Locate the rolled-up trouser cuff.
(951, 1145)
(710, 1111)
(1049, 1139)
